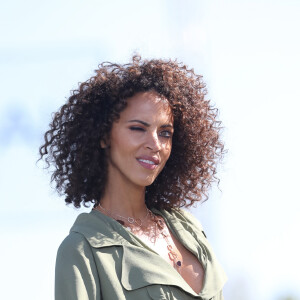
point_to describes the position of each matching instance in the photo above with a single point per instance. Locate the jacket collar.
(103, 231)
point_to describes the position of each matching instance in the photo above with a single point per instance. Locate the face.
(141, 140)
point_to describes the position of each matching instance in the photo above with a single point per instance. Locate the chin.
(145, 181)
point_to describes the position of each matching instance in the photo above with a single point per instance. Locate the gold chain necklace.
(171, 253)
(130, 220)
(159, 224)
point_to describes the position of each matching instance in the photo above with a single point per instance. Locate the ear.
(103, 144)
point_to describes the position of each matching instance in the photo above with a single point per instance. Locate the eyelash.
(167, 136)
(169, 133)
(137, 128)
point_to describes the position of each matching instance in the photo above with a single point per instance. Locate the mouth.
(149, 163)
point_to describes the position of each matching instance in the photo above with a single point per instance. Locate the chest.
(172, 250)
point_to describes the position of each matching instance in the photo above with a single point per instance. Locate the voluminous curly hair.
(72, 144)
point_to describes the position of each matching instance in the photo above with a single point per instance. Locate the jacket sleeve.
(76, 275)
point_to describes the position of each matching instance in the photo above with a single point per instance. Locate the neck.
(124, 199)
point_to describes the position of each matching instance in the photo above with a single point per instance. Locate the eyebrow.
(148, 125)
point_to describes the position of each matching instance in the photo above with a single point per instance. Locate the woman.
(138, 141)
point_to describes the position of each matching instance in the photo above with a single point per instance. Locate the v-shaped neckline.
(181, 241)
(103, 231)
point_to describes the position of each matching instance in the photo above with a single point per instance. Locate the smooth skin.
(144, 130)
(139, 146)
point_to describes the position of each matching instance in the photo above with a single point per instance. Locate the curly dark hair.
(72, 144)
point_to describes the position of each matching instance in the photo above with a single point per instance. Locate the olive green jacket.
(100, 259)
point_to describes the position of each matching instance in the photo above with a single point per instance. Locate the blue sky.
(248, 53)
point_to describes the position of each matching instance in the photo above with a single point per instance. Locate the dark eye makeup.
(166, 134)
(136, 128)
(163, 133)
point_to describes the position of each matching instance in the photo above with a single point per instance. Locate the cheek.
(167, 150)
(119, 141)
(123, 147)
(117, 148)
(168, 147)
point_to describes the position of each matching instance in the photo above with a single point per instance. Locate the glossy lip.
(146, 165)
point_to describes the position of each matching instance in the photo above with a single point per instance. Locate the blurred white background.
(247, 51)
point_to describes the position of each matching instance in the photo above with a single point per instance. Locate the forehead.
(148, 105)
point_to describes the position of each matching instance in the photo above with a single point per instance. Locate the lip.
(151, 166)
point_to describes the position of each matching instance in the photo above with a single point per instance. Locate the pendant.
(130, 220)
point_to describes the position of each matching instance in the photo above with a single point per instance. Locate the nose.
(153, 142)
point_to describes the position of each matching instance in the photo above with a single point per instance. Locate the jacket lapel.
(190, 234)
(142, 266)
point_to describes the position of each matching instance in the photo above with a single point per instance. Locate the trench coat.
(102, 260)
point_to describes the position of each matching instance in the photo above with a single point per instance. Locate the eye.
(166, 134)
(137, 128)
